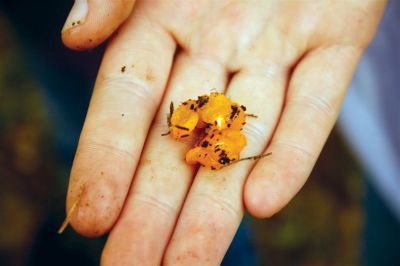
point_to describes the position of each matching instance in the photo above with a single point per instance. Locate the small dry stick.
(257, 157)
(166, 134)
(171, 111)
(72, 210)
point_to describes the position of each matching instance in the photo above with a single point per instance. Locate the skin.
(289, 62)
(103, 18)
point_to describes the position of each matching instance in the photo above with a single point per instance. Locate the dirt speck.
(123, 69)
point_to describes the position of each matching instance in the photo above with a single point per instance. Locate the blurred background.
(323, 225)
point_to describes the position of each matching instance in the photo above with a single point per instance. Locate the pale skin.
(289, 62)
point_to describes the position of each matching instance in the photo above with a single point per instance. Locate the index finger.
(127, 93)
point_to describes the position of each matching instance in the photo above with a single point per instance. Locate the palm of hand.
(288, 62)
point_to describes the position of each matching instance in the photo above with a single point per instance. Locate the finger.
(213, 208)
(127, 93)
(315, 94)
(163, 178)
(90, 22)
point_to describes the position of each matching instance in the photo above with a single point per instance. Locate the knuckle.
(219, 203)
(97, 146)
(317, 103)
(138, 90)
(155, 202)
(293, 147)
(255, 133)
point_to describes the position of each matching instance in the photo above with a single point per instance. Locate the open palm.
(289, 62)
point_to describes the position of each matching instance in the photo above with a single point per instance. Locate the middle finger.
(213, 208)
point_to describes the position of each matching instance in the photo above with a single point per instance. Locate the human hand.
(288, 62)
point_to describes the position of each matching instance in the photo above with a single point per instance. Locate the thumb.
(90, 22)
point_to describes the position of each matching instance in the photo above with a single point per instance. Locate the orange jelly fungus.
(221, 121)
(217, 149)
(183, 120)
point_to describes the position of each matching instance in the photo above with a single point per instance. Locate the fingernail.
(77, 15)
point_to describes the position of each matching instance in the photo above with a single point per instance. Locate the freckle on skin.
(193, 254)
(149, 75)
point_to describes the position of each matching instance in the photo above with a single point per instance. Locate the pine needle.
(72, 210)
